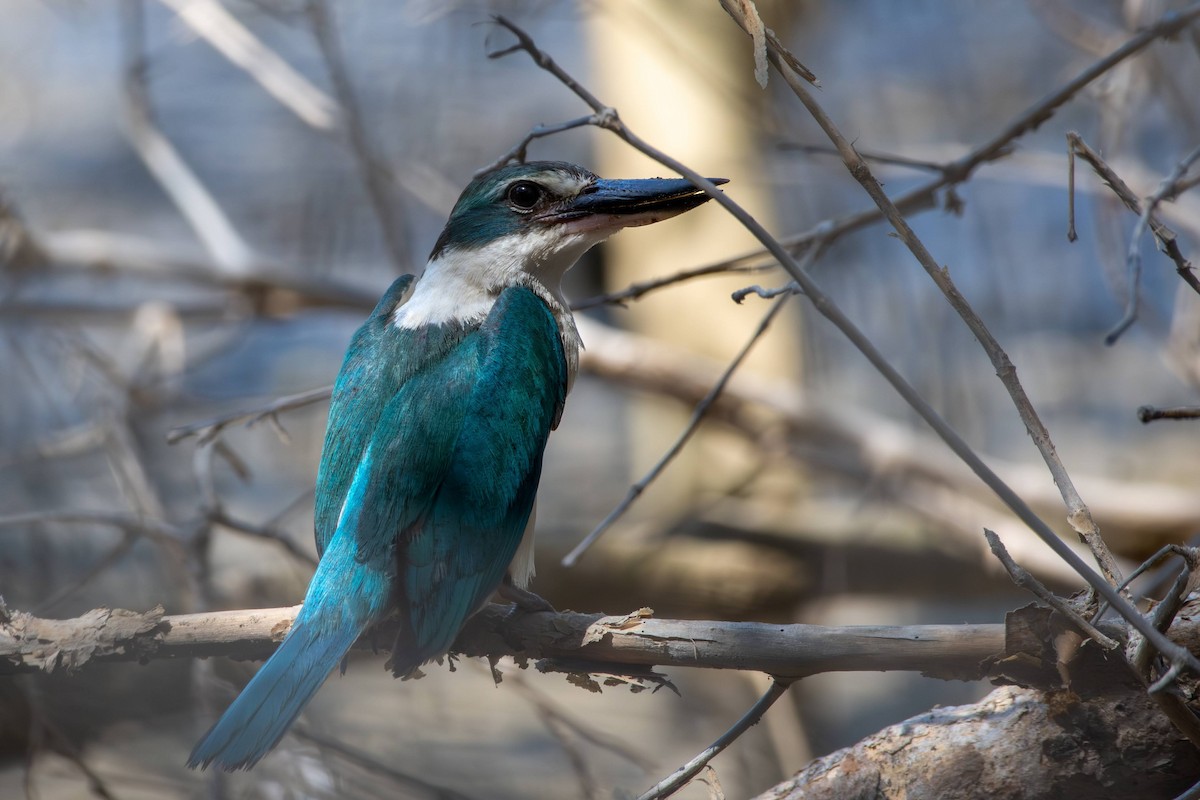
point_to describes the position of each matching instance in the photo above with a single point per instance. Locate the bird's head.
(537, 219)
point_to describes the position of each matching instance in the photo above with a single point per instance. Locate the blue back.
(433, 456)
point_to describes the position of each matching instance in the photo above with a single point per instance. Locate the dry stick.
(210, 429)
(834, 314)
(376, 183)
(519, 152)
(636, 291)
(1148, 414)
(681, 776)
(1172, 705)
(635, 491)
(879, 158)
(997, 147)
(1078, 515)
(1133, 258)
(1022, 577)
(219, 516)
(950, 652)
(1174, 708)
(1167, 240)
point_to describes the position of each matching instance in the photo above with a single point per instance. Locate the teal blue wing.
(434, 454)
(364, 386)
(455, 557)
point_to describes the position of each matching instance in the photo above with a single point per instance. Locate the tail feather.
(266, 708)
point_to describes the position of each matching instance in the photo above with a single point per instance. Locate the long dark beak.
(625, 203)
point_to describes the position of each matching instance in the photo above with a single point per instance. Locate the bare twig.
(1133, 258)
(1172, 705)
(1149, 414)
(210, 429)
(1078, 515)
(637, 290)
(1000, 145)
(1025, 580)
(952, 652)
(766, 294)
(870, 155)
(693, 423)
(1167, 239)
(518, 152)
(219, 516)
(676, 780)
(830, 310)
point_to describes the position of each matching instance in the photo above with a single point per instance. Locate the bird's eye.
(524, 194)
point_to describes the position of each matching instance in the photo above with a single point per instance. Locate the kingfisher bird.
(437, 424)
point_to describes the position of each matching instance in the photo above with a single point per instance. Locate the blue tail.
(273, 699)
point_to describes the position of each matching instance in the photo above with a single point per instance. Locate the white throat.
(461, 284)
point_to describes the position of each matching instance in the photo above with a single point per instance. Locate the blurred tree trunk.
(659, 63)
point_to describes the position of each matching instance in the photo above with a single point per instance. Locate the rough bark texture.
(1081, 726)
(31, 644)
(1015, 743)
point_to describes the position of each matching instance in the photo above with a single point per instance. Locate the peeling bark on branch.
(1085, 727)
(1027, 649)
(1015, 743)
(29, 643)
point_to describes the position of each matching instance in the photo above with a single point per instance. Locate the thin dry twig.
(635, 291)
(1171, 704)
(678, 779)
(952, 652)
(999, 146)
(1025, 580)
(879, 158)
(1078, 515)
(833, 313)
(698, 414)
(1166, 238)
(1148, 414)
(519, 152)
(210, 429)
(219, 516)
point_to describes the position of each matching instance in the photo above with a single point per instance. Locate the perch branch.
(29, 643)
